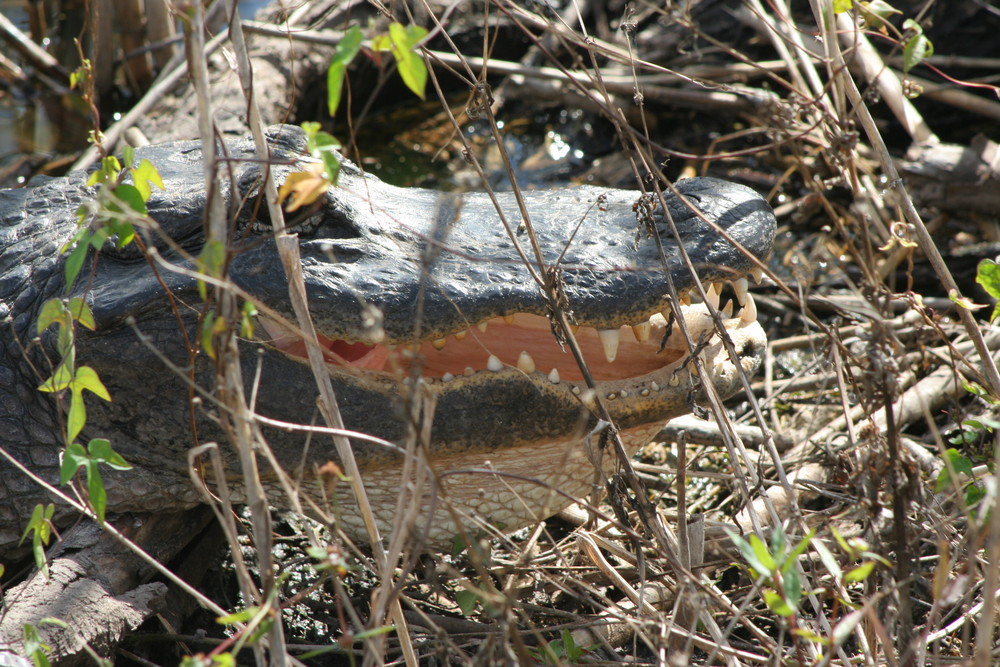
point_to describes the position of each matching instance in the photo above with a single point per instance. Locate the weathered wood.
(97, 586)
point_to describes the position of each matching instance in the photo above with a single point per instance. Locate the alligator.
(412, 291)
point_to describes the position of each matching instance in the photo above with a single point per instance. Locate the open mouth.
(525, 342)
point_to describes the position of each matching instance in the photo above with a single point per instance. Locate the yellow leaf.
(304, 187)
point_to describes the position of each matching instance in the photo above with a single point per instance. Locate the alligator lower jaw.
(635, 360)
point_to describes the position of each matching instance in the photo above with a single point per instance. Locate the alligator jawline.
(523, 341)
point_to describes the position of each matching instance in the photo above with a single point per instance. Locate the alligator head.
(417, 292)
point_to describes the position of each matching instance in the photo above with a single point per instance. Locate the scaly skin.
(384, 266)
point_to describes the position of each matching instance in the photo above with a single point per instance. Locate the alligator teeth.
(438, 343)
(508, 319)
(469, 371)
(642, 331)
(757, 274)
(462, 334)
(749, 313)
(554, 376)
(685, 299)
(525, 363)
(494, 364)
(740, 286)
(447, 377)
(482, 326)
(712, 295)
(728, 309)
(609, 341)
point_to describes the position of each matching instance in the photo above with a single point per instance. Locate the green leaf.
(82, 313)
(74, 458)
(466, 601)
(86, 378)
(76, 416)
(988, 275)
(411, 66)
(52, 311)
(241, 616)
(74, 263)
(859, 573)
(347, 49)
(876, 12)
(791, 585)
(59, 380)
(776, 604)
(841, 6)
(210, 262)
(128, 156)
(207, 344)
(764, 557)
(247, 314)
(95, 489)
(145, 175)
(917, 48)
(100, 450)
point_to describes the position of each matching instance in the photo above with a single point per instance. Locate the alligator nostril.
(749, 349)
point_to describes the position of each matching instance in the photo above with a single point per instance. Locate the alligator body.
(411, 290)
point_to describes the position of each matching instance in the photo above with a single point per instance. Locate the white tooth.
(749, 313)
(575, 390)
(482, 326)
(461, 335)
(469, 370)
(712, 296)
(525, 363)
(447, 377)
(728, 310)
(655, 385)
(757, 274)
(609, 341)
(685, 299)
(508, 319)
(740, 286)
(674, 380)
(494, 364)
(642, 331)
(554, 376)
(623, 393)
(438, 343)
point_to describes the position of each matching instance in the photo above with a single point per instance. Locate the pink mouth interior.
(529, 333)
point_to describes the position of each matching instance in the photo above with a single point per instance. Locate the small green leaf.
(100, 450)
(247, 314)
(411, 66)
(74, 458)
(466, 601)
(776, 604)
(210, 262)
(76, 416)
(917, 47)
(74, 263)
(841, 6)
(764, 557)
(128, 156)
(59, 380)
(241, 616)
(347, 49)
(87, 378)
(791, 585)
(81, 312)
(859, 573)
(988, 275)
(52, 311)
(145, 175)
(95, 489)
